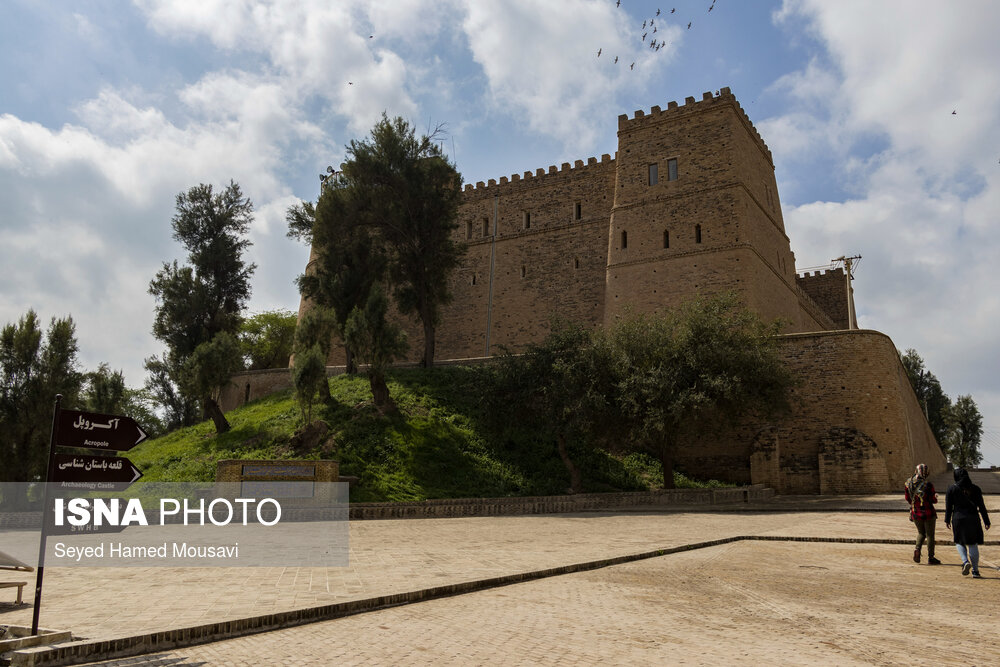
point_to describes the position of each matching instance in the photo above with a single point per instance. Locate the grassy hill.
(436, 448)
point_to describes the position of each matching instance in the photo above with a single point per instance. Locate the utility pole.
(848, 263)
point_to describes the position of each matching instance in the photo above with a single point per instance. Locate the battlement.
(827, 274)
(827, 290)
(723, 96)
(533, 178)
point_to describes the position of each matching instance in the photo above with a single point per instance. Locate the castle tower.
(696, 211)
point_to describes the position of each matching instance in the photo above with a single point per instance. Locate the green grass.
(436, 448)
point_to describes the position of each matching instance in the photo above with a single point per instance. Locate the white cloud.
(88, 206)
(541, 62)
(319, 48)
(925, 182)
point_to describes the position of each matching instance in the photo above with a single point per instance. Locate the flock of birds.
(648, 29)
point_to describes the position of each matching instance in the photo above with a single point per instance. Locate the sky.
(883, 119)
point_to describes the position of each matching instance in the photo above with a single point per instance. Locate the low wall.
(557, 504)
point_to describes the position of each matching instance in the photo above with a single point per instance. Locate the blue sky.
(109, 109)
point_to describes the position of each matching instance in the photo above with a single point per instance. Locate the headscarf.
(917, 485)
(963, 480)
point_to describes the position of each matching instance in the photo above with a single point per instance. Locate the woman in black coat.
(963, 505)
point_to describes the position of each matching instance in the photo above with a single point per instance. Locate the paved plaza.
(775, 602)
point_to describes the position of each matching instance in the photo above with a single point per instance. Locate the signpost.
(85, 430)
(96, 431)
(94, 473)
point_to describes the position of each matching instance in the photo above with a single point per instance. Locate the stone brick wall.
(855, 425)
(828, 289)
(582, 242)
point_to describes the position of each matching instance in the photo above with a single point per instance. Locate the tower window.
(473, 278)
(523, 271)
(577, 211)
(526, 219)
(672, 169)
(486, 226)
(576, 262)
(697, 233)
(666, 238)
(468, 230)
(624, 239)
(654, 176)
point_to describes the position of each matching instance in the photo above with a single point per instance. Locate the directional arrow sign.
(94, 473)
(95, 431)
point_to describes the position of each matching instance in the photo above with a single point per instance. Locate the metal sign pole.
(49, 476)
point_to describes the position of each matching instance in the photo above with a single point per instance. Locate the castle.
(688, 205)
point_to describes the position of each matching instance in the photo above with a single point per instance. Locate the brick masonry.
(584, 241)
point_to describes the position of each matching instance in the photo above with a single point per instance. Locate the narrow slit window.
(486, 226)
(672, 169)
(576, 262)
(697, 233)
(526, 219)
(654, 176)
(468, 230)
(577, 211)
(624, 239)
(666, 238)
(473, 278)
(523, 271)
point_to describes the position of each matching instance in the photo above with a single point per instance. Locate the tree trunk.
(428, 360)
(575, 481)
(667, 464)
(380, 394)
(350, 365)
(215, 412)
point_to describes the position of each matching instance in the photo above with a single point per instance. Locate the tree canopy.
(933, 401)
(560, 389)
(198, 302)
(389, 216)
(690, 370)
(349, 256)
(267, 338)
(33, 369)
(378, 342)
(965, 432)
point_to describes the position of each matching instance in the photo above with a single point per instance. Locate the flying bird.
(657, 11)
(644, 37)
(953, 113)
(689, 25)
(371, 36)
(710, 7)
(654, 29)
(673, 10)
(618, 4)
(632, 66)
(643, 26)
(599, 51)
(350, 83)
(616, 60)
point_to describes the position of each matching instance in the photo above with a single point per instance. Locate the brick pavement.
(405, 555)
(752, 602)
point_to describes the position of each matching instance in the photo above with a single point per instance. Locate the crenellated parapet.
(722, 97)
(824, 275)
(828, 290)
(538, 177)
